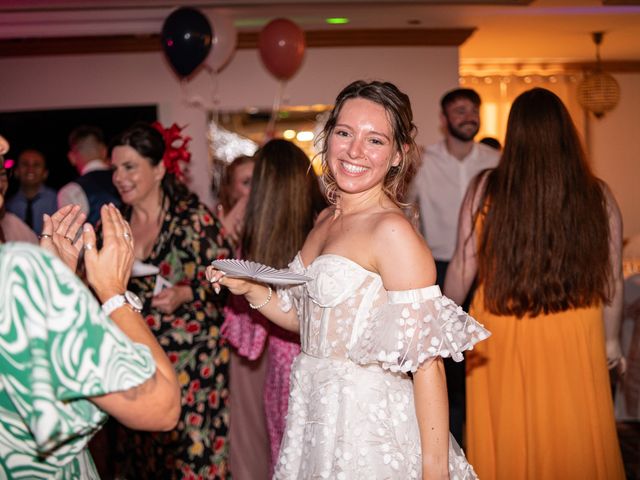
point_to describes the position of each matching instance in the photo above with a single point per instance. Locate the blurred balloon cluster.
(190, 41)
(193, 41)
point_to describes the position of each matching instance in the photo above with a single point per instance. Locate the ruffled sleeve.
(414, 326)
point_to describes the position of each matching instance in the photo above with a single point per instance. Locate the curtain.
(498, 91)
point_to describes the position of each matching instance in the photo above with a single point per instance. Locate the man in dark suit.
(94, 187)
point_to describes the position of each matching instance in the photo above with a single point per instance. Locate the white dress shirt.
(72, 193)
(439, 188)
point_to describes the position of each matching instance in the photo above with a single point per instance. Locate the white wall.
(615, 150)
(37, 83)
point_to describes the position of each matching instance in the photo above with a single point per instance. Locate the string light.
(304, 136)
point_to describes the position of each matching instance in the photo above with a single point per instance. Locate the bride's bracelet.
(269, 295)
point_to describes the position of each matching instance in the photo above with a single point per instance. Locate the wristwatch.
(117, 301)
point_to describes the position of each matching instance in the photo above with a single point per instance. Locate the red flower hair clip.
(175, 148)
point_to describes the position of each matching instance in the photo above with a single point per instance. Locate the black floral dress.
(189, 240)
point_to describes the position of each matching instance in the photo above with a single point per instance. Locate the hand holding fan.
(258, 272)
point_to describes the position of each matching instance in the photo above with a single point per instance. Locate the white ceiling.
(542, 31)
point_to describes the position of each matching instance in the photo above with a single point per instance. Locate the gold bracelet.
(258, 307)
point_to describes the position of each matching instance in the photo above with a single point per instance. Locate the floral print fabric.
(351, 416)
(189, 240)
(57, 349)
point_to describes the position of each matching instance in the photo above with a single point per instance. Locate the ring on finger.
(69, 238)
(44, 235)
(127, 235)
(88, 246)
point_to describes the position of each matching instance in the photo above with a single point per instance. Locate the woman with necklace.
(176, 233)
(370, 315)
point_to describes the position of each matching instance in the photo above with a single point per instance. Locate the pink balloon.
(225, 40)
(281, 44)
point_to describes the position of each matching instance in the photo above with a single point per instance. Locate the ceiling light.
(599, 92)
(336, 20)
(304, 136)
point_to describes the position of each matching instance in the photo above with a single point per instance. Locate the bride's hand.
(237, 286)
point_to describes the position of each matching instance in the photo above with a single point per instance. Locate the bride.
(368, 392)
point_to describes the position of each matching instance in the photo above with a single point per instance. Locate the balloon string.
(215, 101)
(275, 110)
(191, 100)
(211, 104)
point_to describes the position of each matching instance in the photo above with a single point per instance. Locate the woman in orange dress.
(543, 236)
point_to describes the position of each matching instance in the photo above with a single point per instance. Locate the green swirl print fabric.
(57, 349)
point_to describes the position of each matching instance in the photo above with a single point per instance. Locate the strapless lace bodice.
(346, 313)
(339, 299)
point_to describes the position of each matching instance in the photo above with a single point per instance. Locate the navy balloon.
(186, 40)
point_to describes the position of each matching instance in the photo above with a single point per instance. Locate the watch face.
(133, 300)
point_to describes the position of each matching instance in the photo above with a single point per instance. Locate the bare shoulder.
(317, 236)
(402, 257)
(392, 226)
(324, 215)
(321, 223)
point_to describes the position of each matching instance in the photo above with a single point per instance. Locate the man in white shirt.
(94, 187)
(439, 188)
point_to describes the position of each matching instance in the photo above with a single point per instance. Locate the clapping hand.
(108, 269)
(60, 234)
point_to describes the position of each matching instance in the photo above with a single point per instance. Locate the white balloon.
(225, 40)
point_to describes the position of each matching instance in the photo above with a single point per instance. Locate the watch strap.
(113, 303)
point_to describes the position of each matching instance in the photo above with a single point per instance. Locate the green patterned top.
(57, 349)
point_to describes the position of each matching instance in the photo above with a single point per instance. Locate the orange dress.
(538, 398)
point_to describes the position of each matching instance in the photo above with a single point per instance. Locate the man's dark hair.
(84, 131)
(458, 93)
(492, 142)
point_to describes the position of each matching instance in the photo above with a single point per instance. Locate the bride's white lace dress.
(351, 412)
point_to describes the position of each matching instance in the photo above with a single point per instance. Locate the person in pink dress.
(284, 201)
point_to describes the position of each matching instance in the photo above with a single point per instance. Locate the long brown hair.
(398, 108)
(284, 201)
(544, 245)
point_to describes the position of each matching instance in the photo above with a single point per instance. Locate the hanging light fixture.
(598, 92)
